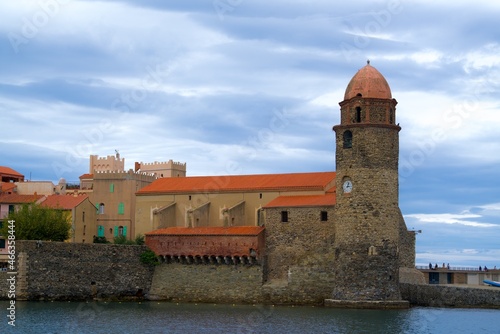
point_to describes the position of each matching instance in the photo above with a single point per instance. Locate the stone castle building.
(158, 169)
(162, 169)
(337, 238)
(112, 190)
(109, 163)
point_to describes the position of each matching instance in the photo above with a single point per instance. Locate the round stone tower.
(367, 214)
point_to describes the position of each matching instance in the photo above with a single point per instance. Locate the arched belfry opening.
(347, 139)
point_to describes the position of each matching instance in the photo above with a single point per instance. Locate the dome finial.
(368, 62)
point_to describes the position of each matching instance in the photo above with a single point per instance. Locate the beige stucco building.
(220, 201)
(80, 212)
(112, 190)
(114, 197)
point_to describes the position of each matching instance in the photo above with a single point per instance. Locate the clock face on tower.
(347, 186)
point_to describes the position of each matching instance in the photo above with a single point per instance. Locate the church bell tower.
(367, 214)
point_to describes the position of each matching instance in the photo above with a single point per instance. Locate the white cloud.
(448, 218)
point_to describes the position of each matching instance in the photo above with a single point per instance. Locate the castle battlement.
(109, 163)
(109, 157)
(120, 174)
(166, 164)
(162, 169)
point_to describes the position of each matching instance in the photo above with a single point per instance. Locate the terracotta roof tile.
(299, 201)
(234, 183)
(9, 171)
(234, 230)
(18, 199)
(65, 202)
(7, 186)
(369, 83)
(86, 176)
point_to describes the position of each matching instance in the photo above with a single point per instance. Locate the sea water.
(164, 317)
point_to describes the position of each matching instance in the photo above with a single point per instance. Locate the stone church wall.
(303, 241)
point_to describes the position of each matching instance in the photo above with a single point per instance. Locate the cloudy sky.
(247, 87)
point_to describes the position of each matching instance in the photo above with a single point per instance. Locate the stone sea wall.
(435, 295)
(66, 271)
(4, 285)
(70, 271)
(207, 283)
(242, 284)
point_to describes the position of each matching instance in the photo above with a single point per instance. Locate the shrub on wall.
(139, 239)
(101, 240)
(122, 240)
(149, 257)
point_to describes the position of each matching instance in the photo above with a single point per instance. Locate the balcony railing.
(457, 268)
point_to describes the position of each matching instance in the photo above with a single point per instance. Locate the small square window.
(324, 216)
(284, 216)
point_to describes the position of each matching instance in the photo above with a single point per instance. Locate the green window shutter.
(112, 188)
(100, 231)
(121, 208)
(97, 207)
(116, 231)
(124, 231)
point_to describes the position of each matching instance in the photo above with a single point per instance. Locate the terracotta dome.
(369, 83)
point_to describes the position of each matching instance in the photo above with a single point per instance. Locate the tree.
(36, 222)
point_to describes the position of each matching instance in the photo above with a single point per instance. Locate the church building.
(334, 238)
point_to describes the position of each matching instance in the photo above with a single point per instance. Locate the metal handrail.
(457, 268)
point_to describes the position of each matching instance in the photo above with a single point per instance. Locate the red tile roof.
(86, 176)
(234, 230)
(368, 82)
(18, 199)
(7, 186)
(9, 171)
(299, 201)
(236, 183)
(65, 202)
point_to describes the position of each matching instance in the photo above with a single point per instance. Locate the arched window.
(358, 114)
(120, 231)
(347, 139)
(101, 208)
